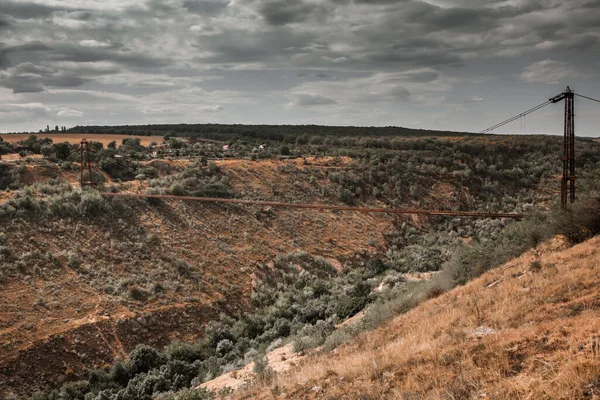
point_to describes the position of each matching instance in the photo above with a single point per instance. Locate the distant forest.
(280, 133)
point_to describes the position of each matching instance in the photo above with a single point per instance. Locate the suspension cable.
(585, 97)
(516, 117)
(476, 214)
(115, 162)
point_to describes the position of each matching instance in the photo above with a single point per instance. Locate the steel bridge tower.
(568, 179)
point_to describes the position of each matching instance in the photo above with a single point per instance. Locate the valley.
(213, 288)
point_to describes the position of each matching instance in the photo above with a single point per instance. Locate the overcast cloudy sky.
(440, 64)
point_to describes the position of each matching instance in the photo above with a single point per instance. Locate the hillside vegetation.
(131, 299)
(528, 329)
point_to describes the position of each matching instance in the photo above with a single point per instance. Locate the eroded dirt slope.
(82, 293)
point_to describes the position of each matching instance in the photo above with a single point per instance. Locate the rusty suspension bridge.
(367, 210)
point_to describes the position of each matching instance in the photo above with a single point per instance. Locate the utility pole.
(85, 145)
(568, 179)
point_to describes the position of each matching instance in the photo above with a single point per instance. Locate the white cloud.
(26, 106)
(211, 109)
(93, 43)
(306, 99)
(417, 86)
(549, 72)
(69, 113)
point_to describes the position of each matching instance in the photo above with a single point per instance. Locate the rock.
(482, 331)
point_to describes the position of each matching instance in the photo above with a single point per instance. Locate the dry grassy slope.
(56, 319)
(542, 341)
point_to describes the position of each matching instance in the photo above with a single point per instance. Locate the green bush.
(92, 204)
(178, 190)
(348, 306)
(581, 221)
(99, 178)
(137, 293)
(143, 359)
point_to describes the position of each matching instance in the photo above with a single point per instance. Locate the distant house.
(225, 147)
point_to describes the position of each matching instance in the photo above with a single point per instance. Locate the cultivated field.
(76, 137)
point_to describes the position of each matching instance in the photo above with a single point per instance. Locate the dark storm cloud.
(115, 53)
(169, 57)
(291, 11)
(31, 78)
(28, 84)
(27, 10)
(473, 19)
(238, 46)
(65, 51)
(588, 4)
(208, 7)
(7, 52)
(4, 24)
(398, 55)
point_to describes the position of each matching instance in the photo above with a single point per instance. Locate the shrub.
(182, 267)
(213, 168)
(312, 336)
(143, 358)
(435, 291)
(513, 241)
(178, 190)
(348, 306)
(120, 373)
(581, 221)
(73, 261)
(264, 373)
(346, 197)
(137, 293)
(99, 178)
(224, 347)
(148, 172)
(92, 204)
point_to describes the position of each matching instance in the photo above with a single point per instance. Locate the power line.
(585, 97)
(516, 117)
(320, 206)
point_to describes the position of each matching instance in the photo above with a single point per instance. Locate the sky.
(459, 65)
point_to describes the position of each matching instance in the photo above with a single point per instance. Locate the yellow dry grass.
(526, 330)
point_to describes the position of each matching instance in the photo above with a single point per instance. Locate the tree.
(62, 150)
